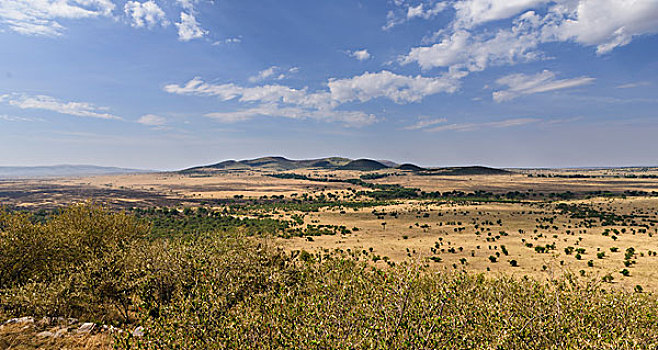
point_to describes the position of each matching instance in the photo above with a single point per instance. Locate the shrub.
(220, 291)
(82, 262)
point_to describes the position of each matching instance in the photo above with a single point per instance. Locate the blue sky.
(166, 84)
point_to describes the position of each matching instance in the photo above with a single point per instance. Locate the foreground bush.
(347, 305)
(216, 292)
(77, 264)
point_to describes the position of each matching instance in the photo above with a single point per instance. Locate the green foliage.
(224, 290)
(343, 304)
(78, 263)
(166, 222)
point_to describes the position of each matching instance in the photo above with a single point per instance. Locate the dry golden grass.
(390, 241)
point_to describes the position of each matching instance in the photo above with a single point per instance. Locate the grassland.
(337, 259)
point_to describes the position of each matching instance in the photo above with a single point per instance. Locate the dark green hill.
(338, 163)
(364, 165)
(411, 167)
(468, 170)
(273, 163)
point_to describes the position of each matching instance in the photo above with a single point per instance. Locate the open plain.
(599, 224)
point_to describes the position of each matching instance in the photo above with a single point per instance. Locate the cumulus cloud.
(79, 109)
(360, 55)
(398, 88)
(145, 14)
(283, 101)
(476, 126)
(463, 50)
(521, 84)
(608, 24)
(41, 17)
(465, 46)
(470, 13)
(189, 28)
(152, 120)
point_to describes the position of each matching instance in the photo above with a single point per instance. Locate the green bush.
(343, 304)
(219, 291)
(80, 263)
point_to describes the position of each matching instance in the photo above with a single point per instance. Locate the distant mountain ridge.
(274, 163)
(11, 172)
(338, 163)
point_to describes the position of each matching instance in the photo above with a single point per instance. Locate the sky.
(169, 84)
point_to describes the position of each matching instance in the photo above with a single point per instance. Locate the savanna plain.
(273, 253)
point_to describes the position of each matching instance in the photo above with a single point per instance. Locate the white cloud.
(143, 14)
(470, 13)
(365, 87)
(405, 12)
(420, 11)
(462, 50)
(423, 123)
(40, 17)
(351, 118)
(187, 4)
(392, 20)
(608, 24)
(227, 41)
(265, 74)
(398, 88)
(476, 126)
(464, 46)
(189, 28)
(284, 101)
(634, 85)
(79, 109)
(152, 120)
(360, 55)
(12, 118)
(521, 84)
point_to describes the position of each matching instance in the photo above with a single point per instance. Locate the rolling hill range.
(338, 163)
(7, 172)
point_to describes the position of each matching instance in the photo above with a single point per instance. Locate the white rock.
(138, 332)
(19, 320)
(45, 334)
(61, 332)
(86, 327)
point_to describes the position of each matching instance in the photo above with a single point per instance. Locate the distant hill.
(62, 171)
(364, 165)
(389, 163)
(468, 170)
(338, 163)
(411, 167)
(273, 163)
